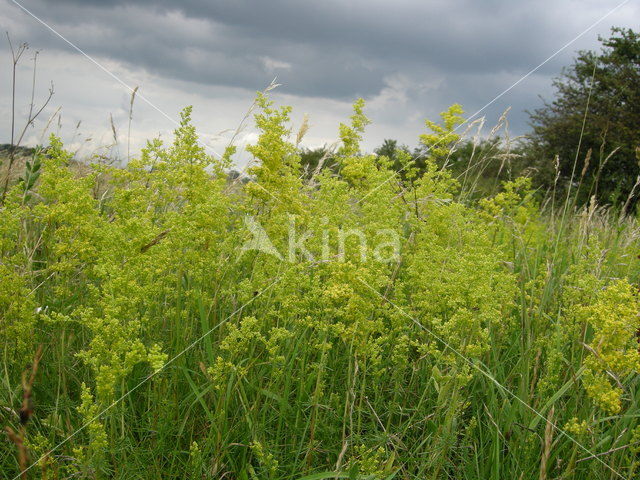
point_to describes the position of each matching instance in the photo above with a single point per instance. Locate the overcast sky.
(409, 59)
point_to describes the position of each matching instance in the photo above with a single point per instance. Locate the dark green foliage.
(609, 82)
(402, 158)
(315, 159)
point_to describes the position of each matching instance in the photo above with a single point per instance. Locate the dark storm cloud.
(164, 42)
(466, 51)
(467, 35)
(332, 49)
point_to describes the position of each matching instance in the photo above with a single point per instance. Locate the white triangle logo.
(260, 240)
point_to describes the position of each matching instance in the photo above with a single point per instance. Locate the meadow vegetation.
(140, 340)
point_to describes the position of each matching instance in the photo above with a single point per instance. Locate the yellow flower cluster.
(613, 349)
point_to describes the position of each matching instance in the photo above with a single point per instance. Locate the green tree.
(396, 154)
(603, 91)
(315, 159)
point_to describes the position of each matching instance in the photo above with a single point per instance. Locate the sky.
(409, 60)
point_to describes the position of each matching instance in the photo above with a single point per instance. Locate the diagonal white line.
(504, 92)
(193, 344)
(121, 82)
(490, 377)
(104, 69)
(147, 378)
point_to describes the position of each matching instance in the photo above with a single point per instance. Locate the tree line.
(584, 142)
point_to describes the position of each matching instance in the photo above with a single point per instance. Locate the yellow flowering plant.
(367, 321)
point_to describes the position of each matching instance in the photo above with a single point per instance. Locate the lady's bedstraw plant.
(323, 360)
(613, 349)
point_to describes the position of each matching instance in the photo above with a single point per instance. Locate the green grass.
(199, 360)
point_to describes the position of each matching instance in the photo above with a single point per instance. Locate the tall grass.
(499, 343)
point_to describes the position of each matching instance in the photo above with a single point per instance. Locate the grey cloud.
(463, 35)
(333, 49)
